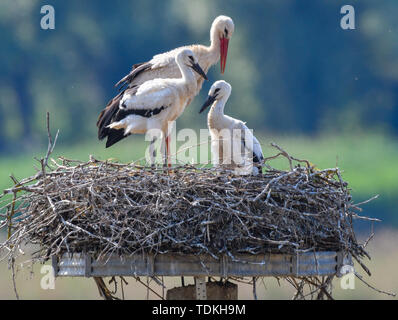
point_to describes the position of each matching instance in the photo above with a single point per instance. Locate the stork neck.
(187, 73)
(214, 48)
(218, 107)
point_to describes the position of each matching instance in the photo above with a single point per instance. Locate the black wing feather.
(256, 158)
(115, 136)
(112, 112)
(135, 71)
(106, 116)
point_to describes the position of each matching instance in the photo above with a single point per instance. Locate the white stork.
(164, 66)
(149, 107)
(233, 145)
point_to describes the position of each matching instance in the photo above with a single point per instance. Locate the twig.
(254, 288)
(148, 288)
(51, 144)
(375, 289)
(13, 278)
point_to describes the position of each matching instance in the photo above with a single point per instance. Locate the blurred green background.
(323, 93)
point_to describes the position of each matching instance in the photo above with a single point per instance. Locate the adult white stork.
(164, 66)
(149, 107)
(233, 144)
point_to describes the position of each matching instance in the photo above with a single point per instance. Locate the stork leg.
(152, 151)
(168, 151)
(163, 149)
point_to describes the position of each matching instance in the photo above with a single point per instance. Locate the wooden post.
(214, 291)
(200, 283)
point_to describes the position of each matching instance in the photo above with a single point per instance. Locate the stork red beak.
(223, 53)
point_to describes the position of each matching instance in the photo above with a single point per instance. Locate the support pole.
(200, 283)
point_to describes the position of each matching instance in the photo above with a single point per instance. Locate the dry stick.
(290, 158)
(284, 153)
(122, 280)
(50, 147)
(298, 286)
(148, 288)
(254, 288)
(51, 144)
(287, 174)
(9, 217)
(16, 182)
(368, 239)
(328, 284)
(44, 162)
(113, 279)
(158, 282)
(375, 289)
(13, 278)
(11, 213)
(366, 201)
(163, 288)
(273, 157)
(361, 264)
(321, 286)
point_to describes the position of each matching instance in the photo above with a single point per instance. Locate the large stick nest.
(102, 207)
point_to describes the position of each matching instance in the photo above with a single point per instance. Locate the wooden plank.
(243, 265)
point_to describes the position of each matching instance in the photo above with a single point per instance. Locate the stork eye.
(226, 32)
(218, 89)
(191, 58)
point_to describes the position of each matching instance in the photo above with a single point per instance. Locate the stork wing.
(135, 71)
(250, 143)
(150, 95)
(146, 105)
(162, 65)
(107, 115)
(164, 59)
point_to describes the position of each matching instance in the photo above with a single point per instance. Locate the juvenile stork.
(164, 66)
(149, 107)
(233, 145)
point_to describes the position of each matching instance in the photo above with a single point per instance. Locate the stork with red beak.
(164, 66)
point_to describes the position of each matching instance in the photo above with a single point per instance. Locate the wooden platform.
(243, 265)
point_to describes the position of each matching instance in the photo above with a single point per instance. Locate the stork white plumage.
(150, 106)
(233, 144)
(164, 66)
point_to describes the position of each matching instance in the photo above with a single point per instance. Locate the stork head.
(219, 90)
(188, 58)
(222, 28)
